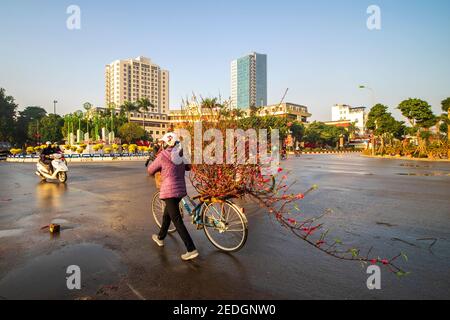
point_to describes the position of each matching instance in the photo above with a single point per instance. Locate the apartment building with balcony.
(133, 79)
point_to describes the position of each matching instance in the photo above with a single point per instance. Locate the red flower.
(280, 169)
(384, 261)
(374, 261)
(300, 196)
(319, 243)
(292, 221)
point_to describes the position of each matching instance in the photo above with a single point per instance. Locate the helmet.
(170, 139)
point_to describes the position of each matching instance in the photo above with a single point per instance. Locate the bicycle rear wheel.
(225, 225)
(158, 206)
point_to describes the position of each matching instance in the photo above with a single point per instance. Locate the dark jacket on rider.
(45, 153)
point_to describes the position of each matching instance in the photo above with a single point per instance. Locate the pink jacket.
(173, 183)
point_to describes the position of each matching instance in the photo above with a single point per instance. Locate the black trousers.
(172, 214)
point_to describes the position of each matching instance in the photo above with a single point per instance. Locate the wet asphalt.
(104, 210)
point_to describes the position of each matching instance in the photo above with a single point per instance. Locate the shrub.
(132, 148)
(15, 151)
(108, 150)
(30, 150)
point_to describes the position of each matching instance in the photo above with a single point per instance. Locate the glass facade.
(261, 80)
(250, 74)
(243, 82)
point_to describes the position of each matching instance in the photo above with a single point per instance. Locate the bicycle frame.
(195, 212)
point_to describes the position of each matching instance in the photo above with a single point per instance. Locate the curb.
(405, 158)
(330, 152)
(81, 159)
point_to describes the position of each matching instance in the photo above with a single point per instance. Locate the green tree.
(51, 128)
(446, 108)
(130, 132)
(7, 116)
(383, 125)
(324, 135)
(26, 125)
(421, 118)
(297, 131)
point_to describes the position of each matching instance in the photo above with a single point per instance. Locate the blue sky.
(320, 50)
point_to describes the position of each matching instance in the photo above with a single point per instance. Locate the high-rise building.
(133, 79)
(249, 81)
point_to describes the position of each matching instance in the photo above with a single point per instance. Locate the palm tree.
(352, 130)
(111, 108)
(128, 107)
(254, 110)
(144, 105)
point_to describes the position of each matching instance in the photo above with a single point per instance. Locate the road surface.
(393, 205)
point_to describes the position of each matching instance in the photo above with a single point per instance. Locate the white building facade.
(343, 112)
(133, 79)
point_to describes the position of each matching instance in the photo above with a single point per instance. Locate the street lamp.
(54, 106)
(372, 138)
(371, 91)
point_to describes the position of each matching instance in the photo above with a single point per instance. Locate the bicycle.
(224, 223)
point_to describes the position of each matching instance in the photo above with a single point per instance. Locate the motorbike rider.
(56, 148)
(45, 156)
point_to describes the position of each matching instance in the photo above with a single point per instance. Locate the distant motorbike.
(59, 171)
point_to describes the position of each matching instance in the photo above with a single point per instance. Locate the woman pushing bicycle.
(173, 189)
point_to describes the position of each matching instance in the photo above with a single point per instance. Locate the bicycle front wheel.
(158, 207)
(225, 225)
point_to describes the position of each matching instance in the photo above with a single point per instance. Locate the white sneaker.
(158, 242)
(189, 255)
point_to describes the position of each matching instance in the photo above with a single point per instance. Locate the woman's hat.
(170, 139)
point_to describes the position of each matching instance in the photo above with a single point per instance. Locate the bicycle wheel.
(158, 206)
(225, 225)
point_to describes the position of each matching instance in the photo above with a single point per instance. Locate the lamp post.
(54, 106)
(371, 92)
(373, 103)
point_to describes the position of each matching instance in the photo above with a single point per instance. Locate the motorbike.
(59, 172)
